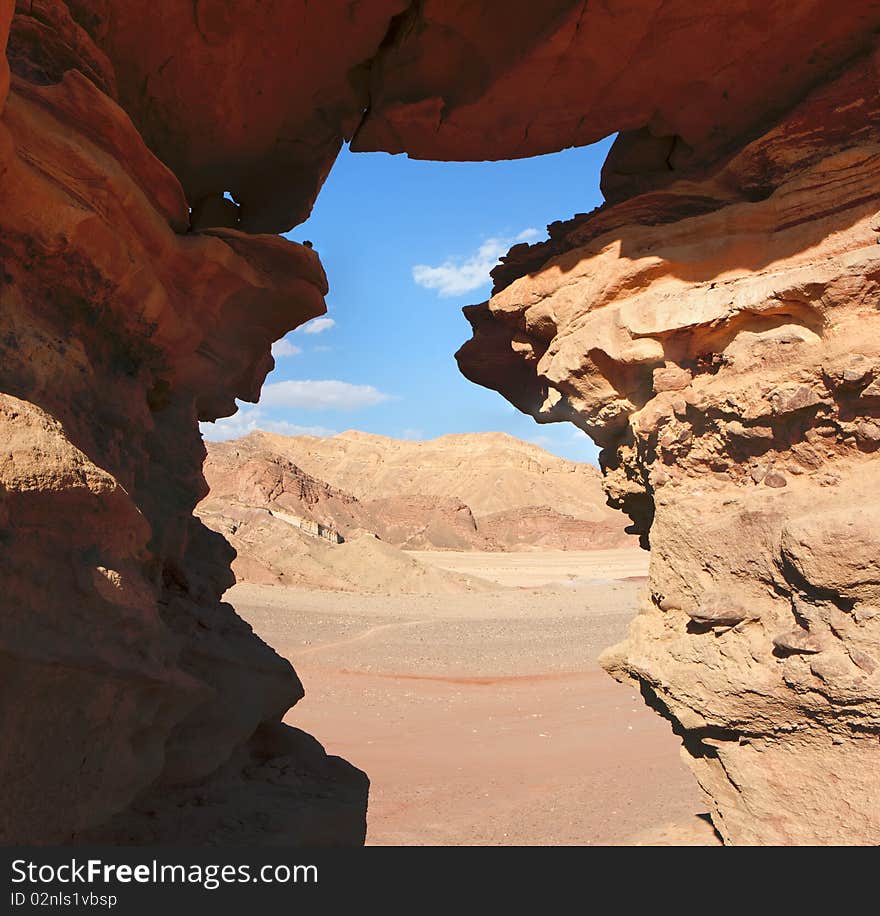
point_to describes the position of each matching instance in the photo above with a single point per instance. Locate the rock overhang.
(257, 98)
(713, 326)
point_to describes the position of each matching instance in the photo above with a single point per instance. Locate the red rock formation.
(713, 328)
(256, 98)
(248, 97)
(131, 689)
(682, 82)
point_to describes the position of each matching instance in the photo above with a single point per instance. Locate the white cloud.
(412, 433)
(317, 326)
(284, 347)
(328, 394)
(250, 418)
(456, 276)
(527, 235)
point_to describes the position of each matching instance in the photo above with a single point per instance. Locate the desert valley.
(444, 604)
(651, 226)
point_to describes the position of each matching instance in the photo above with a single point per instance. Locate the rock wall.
(136, 705)
(720, 339)
(713, 326)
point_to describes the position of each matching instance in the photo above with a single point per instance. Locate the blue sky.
(405, 245)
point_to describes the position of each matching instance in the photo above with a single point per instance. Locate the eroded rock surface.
(721, 340)
(714, 327)
(136, 705)
(256, 97)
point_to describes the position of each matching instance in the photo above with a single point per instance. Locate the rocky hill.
(490, 472)
(275, 497)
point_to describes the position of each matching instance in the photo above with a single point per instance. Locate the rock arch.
(713, 327)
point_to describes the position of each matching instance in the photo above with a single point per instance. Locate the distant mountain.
(278, 499)
(489, 472)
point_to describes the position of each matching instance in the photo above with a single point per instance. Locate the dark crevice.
(398, 27)
(799, 583)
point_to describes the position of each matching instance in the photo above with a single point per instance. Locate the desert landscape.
(484, 718)
(711, 321)
(464, 681)
(271, 494)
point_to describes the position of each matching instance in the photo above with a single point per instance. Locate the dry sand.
(483, 717)
(534, 568)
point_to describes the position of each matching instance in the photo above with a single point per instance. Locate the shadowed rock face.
(256, 97)
(713, 327)
(137, 706)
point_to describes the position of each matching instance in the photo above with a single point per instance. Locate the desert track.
(484, 718)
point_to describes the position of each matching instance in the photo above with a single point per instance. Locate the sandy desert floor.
(484, 718)
(534, 568)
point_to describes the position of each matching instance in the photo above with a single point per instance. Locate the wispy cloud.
(284, 347)
(317, 325)
(250, 418)
(327, 394)
(456, 276)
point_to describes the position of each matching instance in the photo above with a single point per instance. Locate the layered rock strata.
(255, 97)
(266, 505)
(713, 326)
(720, 339)
(136, 705)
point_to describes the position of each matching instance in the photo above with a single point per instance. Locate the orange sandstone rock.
(721, 358)
(714, 327)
